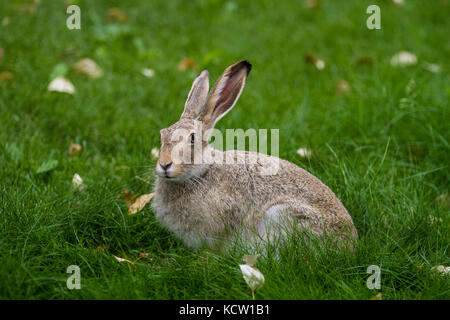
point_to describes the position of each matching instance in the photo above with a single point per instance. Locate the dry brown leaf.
(101, 248)
(116, 15)
(342, 86)
(88, 67)
(378, 296)
(75, 149)
(444, 201)
(145, 255)
(2, 53)
(364, 61)
(6, 77)
(311, 4)
(312, 59)
(123, 260)
(29, 7)
(140, 203)
(187, 63)
(127, 196)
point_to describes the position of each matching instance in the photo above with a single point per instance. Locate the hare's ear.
(197, 96)
(225, 93)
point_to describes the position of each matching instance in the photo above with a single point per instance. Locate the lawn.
(379, 136)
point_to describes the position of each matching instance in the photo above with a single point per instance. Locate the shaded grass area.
(387, 160)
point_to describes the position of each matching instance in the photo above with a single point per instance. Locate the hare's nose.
(165, 166)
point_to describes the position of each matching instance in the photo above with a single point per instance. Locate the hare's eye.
(192, 138)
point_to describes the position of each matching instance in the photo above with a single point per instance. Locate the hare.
(207, 203)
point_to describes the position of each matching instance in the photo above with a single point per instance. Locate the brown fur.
(204, 204)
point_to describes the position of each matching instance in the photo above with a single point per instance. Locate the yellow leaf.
(378, 296)
(88, 67)
(187, 63)
(75, 149)
(6, 76)
(116, 15)
(140, 203)
(342, 86)
(127, 196)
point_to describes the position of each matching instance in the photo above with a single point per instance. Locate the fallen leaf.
(187, 63)
(2, 53)
(441, 269)
(155, 153)
(116, 15)
(140, 203)
(77, 182)
(127, 196)
(342, 86)
(61, 84)
(47, 166)
(145, 255)
(378, 296)
(304, 153)
(29, 7)
(253, 277)
(6, 77)
(403, 59)
(398, 2)
(364, 60)
(88, 67)
(75, 149)
(123, 260)
(432, 67)
(101, 248)
(148, 73)
(5, 21)
(311, 4)
(318, 63)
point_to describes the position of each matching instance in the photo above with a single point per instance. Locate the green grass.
(385, 160)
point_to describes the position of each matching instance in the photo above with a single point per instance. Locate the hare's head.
(183, 143)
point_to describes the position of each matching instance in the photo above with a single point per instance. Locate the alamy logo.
(74, 281)
(74, 20)
(374, 281)
(184, 152)
(374, 20)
